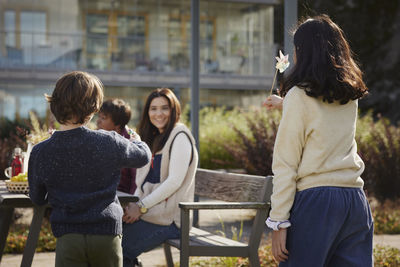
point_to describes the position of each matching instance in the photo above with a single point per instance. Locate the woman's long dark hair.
(147, 131)
(324, 64)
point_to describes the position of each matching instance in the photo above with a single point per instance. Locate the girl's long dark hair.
(147, 131)
(324, 64)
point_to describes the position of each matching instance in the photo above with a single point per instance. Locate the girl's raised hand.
(273, 101)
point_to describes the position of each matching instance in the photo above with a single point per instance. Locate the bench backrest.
(232, 187)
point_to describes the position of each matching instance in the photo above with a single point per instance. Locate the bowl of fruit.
(18, 183)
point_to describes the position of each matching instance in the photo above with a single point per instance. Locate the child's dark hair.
(324, 66)
(147, 131)
(119, 111)
(76, 97)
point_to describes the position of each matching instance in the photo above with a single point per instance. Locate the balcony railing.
(133, 54)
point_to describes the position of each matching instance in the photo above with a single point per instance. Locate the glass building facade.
(134, 47)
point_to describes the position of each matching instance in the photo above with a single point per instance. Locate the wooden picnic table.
(10, 201)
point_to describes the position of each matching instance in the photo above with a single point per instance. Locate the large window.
(115, 40)
(179, 33)
(97, 53)
(25, 33)
(10, 28)
(32, 28)
(130, 45)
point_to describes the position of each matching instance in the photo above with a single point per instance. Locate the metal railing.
(115, 53)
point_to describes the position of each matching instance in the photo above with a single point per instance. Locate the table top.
(13, 199)
(23, 200)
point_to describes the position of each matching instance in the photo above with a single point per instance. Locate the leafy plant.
(238, 139)
(254, 148)
(385, 256)
(387, 218)
(11, 136)
(379, 147)
(38, 132)
(215, 131)
(18, 235)
(16, 134)
(230, 261)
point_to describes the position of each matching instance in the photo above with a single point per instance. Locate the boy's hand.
(131, 213)
(133, 135)
(273, 101)
(279, 250)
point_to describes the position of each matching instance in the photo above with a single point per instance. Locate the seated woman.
(114, 115)
(167, 180)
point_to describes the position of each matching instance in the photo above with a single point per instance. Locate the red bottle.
(16, 164)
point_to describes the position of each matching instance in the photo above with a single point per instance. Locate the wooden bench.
(240, 191)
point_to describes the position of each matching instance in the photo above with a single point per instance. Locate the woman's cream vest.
(167, 211)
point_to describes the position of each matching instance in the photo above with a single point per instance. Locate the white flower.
(282, 62)
(281, 65)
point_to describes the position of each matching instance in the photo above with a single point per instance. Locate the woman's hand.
(273, 101)
(279, 250)
(131, 213)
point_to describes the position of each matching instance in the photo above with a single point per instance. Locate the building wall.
(236, 40)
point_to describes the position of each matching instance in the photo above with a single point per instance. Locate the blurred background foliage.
(242, 141)
(373, 30)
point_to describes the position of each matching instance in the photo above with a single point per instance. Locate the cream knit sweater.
(315, 146)
(176, 179)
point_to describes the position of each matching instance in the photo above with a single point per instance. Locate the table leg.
(33, 236)
(5, 222)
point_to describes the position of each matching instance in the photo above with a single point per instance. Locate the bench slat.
(219, 251)
(228, 186)
(212, 239)
(200, 237)
(218, 205)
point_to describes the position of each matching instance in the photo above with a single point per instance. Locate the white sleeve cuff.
(276, 225)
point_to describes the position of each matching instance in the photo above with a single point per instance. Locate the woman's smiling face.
(159, 113)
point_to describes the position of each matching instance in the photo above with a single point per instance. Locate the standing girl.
(320, 215)
(167, 180)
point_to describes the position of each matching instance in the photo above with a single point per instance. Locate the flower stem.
(273, 82)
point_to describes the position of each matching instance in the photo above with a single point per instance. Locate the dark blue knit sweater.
(77, 172)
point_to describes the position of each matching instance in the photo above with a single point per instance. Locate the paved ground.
(210, 220)
(154, 258)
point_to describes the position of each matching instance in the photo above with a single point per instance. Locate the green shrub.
(254, 148)
(387, 218)
(238, 139)
(385, 256)
(17, 133)
(18, 235)
(234, 139)
(11, 135)
(216, 129)
(379, 147)
(236, 236)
